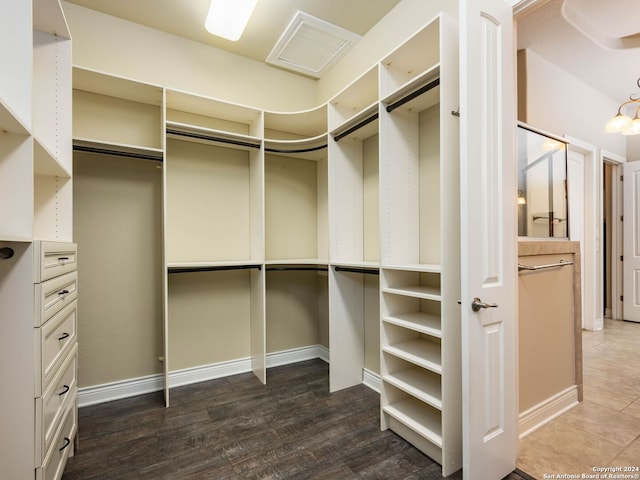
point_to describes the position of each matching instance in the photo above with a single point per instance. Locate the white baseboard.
(372, 380)
(117, 390)
(153, 383)
(544, 412)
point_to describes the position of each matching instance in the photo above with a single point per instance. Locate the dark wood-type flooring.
(237, 428)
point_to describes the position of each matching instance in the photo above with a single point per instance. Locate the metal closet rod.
(368, 271)
(6, 252)
(212, 268)
(561, 263)
(116, 153)
(414, 94)
(310, 269)
(357, 126)
(299, 150)
(212, 138)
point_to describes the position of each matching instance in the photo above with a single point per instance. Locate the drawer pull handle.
(63, 259)
(67, 442)
(66, 389)
(63, 292)
(63, 336)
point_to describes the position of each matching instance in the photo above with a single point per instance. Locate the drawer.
(53, 295)
(53, 259)
(53, 341)
(62, 391)
(61, 447)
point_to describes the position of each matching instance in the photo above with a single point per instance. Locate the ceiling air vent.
(310, 45)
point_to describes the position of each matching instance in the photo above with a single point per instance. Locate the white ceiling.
(185, 18)
(611, 71)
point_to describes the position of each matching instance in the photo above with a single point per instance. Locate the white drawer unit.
(61, 447)
(54, 401)
(53, 259)
(53, 295)
(54, 340)
(55, 292)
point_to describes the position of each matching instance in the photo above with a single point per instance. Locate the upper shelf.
(415, 56)
(117, 87)
(9, 121)
(48, 17)
(354, 99)
(213, 114)
(295, 125)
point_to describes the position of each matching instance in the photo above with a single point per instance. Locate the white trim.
(592, 248)
(295, 355)
(152, 383)
(547, 410)
(372, 380)
(117, 390)
(617, 162)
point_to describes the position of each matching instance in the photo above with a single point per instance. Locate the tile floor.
(604, 430)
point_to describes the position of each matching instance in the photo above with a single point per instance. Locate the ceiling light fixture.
(622, 123)
(228, 18)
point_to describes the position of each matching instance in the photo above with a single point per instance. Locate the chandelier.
(622, 123)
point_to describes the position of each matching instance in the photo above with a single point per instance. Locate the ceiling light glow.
(228, 18)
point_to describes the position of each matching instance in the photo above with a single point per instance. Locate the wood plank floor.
(237, 428)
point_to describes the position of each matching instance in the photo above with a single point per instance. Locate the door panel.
(631, 228)
(489, 235)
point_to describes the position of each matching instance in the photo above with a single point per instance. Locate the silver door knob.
(477, 304)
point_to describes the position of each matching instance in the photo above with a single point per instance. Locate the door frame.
(592, 315)
(617, 238)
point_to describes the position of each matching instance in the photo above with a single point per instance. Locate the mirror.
(542, 185)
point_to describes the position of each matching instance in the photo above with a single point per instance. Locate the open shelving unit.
(348, 212)
(420, 284)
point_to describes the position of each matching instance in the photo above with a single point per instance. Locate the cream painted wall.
(563, 105)
(112, 45)
(293, 309)
(118, 221)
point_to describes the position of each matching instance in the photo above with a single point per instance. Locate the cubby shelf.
(413, 414)
(415, 383)
(417, 291)
(418, 322)
(422, 353)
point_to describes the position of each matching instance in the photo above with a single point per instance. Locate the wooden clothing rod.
(212, 268)
(116, 153)
(357, 126)
(414, 94)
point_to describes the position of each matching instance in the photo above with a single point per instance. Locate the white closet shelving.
(37, 334)
(420, 332)
(214, 180)
(365, 187)
(354, 247)
(296, 187)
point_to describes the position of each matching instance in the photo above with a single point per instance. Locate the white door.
(488, 239)
(631, 249)
(575, 191)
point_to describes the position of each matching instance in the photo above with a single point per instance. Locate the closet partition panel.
(354, 229)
